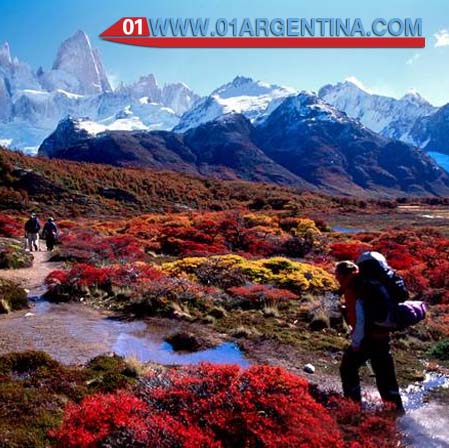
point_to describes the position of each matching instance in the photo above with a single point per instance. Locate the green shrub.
(13, 255)
(12, 297)
(441, 350)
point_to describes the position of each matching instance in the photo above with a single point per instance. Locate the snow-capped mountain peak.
(413, 97)
(243, 86)
(305, 108)
(32, 103)
(77, 68)
(177, 96)
(242, 95)
(388, 116)
(5, 55)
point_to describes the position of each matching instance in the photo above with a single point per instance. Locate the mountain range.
(343, 140)
(304, 142)
(33, 102)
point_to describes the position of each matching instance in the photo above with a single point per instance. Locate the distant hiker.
(32, 227)
(366, 302)
(50, 234)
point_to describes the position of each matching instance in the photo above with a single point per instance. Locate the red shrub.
(86, 246)
(85, 425)
(261, 295)
(125, 420)
(10, 226)
(349, 250)
(262, 406)
(219, 406)
(398, 255)
(364, 429)
(85, 275)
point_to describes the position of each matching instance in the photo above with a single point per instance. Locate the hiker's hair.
(346, 267)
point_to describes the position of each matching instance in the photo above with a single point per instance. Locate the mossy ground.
(34, 390)
(13, 254)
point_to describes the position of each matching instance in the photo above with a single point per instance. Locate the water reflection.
(72, 333)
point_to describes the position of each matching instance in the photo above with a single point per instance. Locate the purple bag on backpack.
(410, 313)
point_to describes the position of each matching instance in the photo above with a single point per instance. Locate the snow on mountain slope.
(176, 96)
(388, 116)
(431, 132)
(78, 67)
(242, 95)
(328, 149)
(32, 104)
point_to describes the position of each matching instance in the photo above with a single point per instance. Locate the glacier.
(33, 103)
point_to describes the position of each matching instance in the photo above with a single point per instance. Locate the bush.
(12, 297)
(278, 271)
(10, 226)
(13, 255)
(260, 296)
(88, 246)
(204, 406)
(349, 250)
(83, 279)
(441, 350)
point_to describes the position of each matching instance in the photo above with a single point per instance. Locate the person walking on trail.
(50, 234)
(364, 302)
(32, 227)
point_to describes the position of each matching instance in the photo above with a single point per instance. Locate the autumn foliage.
(220, 406)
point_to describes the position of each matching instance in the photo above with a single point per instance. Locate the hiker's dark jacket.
(32, 226)
(50, 230)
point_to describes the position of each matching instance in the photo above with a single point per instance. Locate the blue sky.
(34, 31)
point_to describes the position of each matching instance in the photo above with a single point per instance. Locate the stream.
(73, 333)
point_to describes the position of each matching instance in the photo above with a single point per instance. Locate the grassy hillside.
(76, 189)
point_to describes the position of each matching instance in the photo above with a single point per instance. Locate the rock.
(29, 314)
(319, 322)
(186, 341)
(309, 368)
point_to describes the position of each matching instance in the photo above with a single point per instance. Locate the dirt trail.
(32, 278)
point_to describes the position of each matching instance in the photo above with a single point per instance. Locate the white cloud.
(442, 38)
(413, 59)
(358, 83)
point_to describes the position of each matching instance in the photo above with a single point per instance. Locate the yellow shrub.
(283, 272)
(306, 227)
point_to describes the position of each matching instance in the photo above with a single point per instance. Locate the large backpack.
(401, 312)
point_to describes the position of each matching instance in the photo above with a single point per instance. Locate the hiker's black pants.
(50, 242)
(378, 353)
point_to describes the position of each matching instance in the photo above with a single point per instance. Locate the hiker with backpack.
(32, 227)
(376, 304)
(50, 234)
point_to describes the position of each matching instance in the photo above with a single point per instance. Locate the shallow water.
(73, 333)
(347, 229)
(425, 425)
